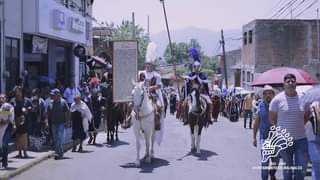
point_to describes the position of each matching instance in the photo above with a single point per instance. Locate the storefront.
(49, 40)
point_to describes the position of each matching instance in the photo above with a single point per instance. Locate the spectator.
(287, 112)
(70, 93)
(314, 140)
(80, 117)
(58, 111)
(59, 85)
(6, 126)
(22, 107)
(247, 107)
(173, 102)
(215, 107)
(83, 89)
(262, 125)
(93, 81)
(98, 106)
(37, 114)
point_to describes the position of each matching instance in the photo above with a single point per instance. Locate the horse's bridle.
(202, 112)
(137, 108)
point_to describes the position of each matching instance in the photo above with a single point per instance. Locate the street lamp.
(170, 43)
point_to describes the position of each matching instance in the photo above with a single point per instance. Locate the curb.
(29, 165)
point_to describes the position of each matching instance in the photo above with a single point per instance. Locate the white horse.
(143, 121)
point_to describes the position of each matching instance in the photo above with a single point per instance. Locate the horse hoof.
(193, 150)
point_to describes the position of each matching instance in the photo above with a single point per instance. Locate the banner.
(39, 45)
(125, 69)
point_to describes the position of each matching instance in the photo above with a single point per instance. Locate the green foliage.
(125, 30)
(180, 51)
(181, 55)
(209, 72)
(181, 71)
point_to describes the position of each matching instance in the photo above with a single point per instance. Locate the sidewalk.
(17, 166)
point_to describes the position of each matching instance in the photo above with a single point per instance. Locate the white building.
(38, 37)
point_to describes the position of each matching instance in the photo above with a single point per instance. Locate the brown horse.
(114, 115)
(195, 111)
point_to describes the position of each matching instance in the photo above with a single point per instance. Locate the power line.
(277, 5)
(284, 9)
(310, 6)
(296, 7)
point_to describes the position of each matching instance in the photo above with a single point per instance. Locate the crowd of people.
(38, 119)
(286, 113)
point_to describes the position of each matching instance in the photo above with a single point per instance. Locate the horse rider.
(197, 80)
(152, 81)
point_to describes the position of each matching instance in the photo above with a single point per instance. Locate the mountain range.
(208, 39)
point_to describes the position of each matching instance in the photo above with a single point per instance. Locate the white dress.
(7, 115)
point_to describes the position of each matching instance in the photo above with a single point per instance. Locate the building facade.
(274, 43)
(38, 38)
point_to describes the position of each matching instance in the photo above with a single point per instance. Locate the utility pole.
(148, 27)
(133, 27)
(170, 42)
(2, 43)
(318, 40)
(224, 59)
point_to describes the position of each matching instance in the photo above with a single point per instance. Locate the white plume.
(151, 53)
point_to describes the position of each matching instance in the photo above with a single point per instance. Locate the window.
(248, 76)
(12, 62)
(243, 75)
(250, 37)
(245, 38)
(251, 77)
(88, 30)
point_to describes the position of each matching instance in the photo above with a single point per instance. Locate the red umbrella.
(275, 77)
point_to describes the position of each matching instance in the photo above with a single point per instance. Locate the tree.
(124, 32)
(181, 55)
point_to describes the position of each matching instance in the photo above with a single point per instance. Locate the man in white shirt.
(70, 92)
(287, 112)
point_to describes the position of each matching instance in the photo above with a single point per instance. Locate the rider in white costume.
(153, 82)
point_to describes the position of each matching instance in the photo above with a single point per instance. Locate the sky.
(207, 14)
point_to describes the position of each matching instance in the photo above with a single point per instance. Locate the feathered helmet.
(151, 53)
(196, 64)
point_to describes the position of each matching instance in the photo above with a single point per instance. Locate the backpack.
(315, 110)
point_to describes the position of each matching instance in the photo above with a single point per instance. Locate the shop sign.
(77, 25)
(59, 20)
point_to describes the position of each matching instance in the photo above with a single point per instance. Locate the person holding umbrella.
(287, 112)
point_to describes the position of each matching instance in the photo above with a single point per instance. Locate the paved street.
(227, 154)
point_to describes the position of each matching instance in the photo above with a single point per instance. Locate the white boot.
(198, 144)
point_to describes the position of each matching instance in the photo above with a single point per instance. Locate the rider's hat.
(151, 53)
